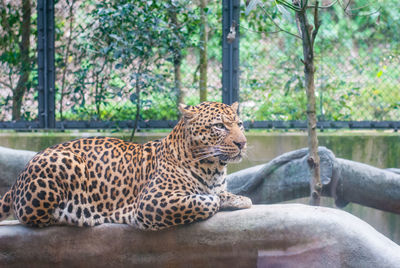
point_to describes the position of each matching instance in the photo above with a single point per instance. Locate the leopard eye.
(240, 124)
(220, 126)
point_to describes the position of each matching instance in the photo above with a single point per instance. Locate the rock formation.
(263, 236)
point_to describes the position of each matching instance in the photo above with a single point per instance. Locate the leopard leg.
(54, 191)
(6, 207)
(174, 209)
(231, 201)
(37, 199)
(123, 215)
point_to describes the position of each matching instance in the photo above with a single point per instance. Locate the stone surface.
(371, 186)
(265, 235)
(287, 177)
(11, 163)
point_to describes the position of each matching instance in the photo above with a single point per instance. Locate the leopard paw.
(234, 202)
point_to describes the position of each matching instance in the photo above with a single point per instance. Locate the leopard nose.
(240, 144)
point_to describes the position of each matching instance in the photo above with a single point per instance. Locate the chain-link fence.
(357, 54)
(112, 55)
(18, 60)
(101, 65)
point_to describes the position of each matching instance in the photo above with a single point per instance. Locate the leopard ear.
(235, 106)
(186, 111)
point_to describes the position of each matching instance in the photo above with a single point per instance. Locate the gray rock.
(267, 236)
(11, 163)
(363, 184)
(287, 177)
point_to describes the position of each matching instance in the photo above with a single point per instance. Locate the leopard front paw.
(234, 202)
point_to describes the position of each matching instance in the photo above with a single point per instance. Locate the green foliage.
(139, 38)
(155, 107)
(357, 60)
(11, 63)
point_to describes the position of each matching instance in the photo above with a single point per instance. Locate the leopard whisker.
(244, 154)
(202, 150)
(206, 155)
(208, 149)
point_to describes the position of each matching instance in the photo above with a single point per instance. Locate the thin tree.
(176, 53)
(15, 49)
(66, 52)
(24, 47)
(307, 32)
(183, 22)
(308, 35)
(203, 51)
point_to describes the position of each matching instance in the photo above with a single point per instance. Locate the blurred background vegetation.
(113, 57)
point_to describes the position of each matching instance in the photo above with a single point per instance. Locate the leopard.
(177, 180)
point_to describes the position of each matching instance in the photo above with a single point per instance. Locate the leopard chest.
(211, 180)
(218, 183)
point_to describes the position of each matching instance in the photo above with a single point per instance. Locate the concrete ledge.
(267, 235)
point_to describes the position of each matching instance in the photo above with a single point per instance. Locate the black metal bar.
(115, 124)
(230, 51)
(160, 124)
(19, 125)
(46, 68)
(40, 47)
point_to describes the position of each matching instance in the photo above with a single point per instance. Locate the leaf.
(116, 37)
(252, 5)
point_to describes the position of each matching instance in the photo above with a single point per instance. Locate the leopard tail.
(5, 205)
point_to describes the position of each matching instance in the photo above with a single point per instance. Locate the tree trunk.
(177, 56)
(24, 46)
(178, 79)
(203, 51)
(137, 92)
(308, 37)
(99, 89)
(66, 56)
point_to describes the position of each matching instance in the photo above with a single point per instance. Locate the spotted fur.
(177, 180)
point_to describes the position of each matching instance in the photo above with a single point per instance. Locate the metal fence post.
(46, 69)
(230, 50)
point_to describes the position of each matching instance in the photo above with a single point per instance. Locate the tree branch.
(345, 9)
(277, 25)
(347, 5)
(254, 31)
(289, 5)
(327, 6)
(317, 23)
(6, 84)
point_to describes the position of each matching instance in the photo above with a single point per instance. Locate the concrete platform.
(265, 236)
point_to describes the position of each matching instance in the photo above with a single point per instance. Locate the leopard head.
(214, 130)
